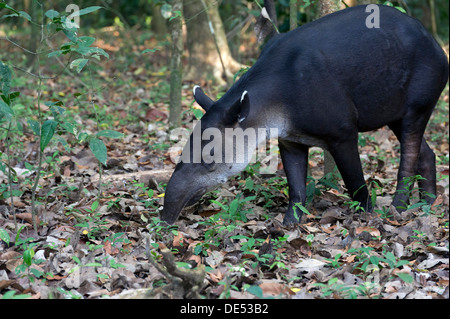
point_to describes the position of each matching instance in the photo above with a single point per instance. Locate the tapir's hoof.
(291, 220)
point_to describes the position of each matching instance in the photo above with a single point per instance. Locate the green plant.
(80, 51)
(393, 263)
(355, 206)
(334, 262)
(28, 258)
(160, 230)
(11, 294)
(233, 211)
(333, 287)
(364, 258)
(215, 227)
(367, 262)
(336, 288)
(4, 236)
(384, 212)
(301, 208)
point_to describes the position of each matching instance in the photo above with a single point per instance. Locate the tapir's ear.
(202, 99)
(239, 110)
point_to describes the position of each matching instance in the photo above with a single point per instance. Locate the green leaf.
(198, 249)
(401, 263)
(37, 273)
(374, 260)
(4, 236)
(5, 79)
(183, 265)
(150, 50)
(4, 5)
(12, 293)
(234, 205)
(47, 131)
(5, 110)
(52, 14)
(85, 41)
(99, 149)
(25, 15)
(94, 205)
(405, 277)
(54, 53)
(175, 14)
(93, 264)
(110, 134)
(70, 128)
(13, 95)
(79, 64)
(85, 11)
(255, 290)
(77, 260)
(28, 256)
(197, 113)
(14, 193)
(219, 204)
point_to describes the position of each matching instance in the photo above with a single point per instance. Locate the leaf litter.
(114, 247)
(86, 251)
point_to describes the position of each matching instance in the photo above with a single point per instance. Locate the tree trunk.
(158, 23)
(209, 55)
(175, 26)
(34, 36)
(293, 10)
(327, 7)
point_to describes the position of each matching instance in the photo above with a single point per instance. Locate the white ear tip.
(195, 88)
(243, 95)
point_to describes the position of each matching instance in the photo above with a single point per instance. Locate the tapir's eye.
(208, 160)
(210, 166)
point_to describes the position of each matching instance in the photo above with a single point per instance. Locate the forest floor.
(230, 245)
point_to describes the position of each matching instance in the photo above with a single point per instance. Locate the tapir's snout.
(179, 194)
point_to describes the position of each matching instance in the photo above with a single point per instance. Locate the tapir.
(320, 85)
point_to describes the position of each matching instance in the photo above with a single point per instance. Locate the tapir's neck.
(266, 109)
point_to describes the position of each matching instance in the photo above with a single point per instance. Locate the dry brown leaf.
(5, 283)
(109, 249)
(215, 277)
(251, 256)
(371, 230)
(67, 171)
(28, 217)
(18, 203)
(350, 259)
(10, 255)
(178, 240)
(437, 201)
(274, 288)
(55, 277)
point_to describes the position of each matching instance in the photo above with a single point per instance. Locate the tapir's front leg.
(295, 162)
(346, 156)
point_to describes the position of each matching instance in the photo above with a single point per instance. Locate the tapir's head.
(211, 154)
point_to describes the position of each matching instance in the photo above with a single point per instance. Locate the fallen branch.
(161, 175)
(184, 283)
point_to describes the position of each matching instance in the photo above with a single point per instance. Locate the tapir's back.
(376, 62)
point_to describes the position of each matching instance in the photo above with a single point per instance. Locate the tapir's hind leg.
(417, 158)
(427, 169)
